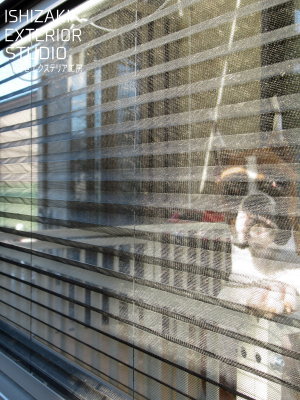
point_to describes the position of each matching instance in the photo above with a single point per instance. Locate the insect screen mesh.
(149, 196)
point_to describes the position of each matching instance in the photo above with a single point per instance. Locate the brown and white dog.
(263, 222)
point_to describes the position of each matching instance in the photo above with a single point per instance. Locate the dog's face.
(260, 190)
(265, 213)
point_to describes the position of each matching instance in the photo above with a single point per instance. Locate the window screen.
(149, 191)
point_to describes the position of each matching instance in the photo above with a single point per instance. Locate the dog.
(264, 230)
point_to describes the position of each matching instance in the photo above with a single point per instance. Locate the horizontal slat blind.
(122, 185)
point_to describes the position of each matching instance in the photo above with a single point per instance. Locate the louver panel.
(149, 197)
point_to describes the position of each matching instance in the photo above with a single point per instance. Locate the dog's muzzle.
(259, 204)
(257, 223)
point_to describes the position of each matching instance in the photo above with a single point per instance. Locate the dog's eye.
(274, 187)
(235, 188)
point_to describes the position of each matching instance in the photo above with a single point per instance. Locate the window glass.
(150, 164)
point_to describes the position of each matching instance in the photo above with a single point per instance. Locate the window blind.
(149, 197)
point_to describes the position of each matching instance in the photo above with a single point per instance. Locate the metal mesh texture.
(149, 197)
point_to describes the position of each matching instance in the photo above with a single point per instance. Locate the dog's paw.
(273, 297)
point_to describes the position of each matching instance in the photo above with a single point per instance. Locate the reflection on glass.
(152, 193)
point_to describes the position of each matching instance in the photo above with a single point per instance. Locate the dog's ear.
(297, 236)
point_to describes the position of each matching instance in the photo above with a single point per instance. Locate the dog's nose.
(258, 203)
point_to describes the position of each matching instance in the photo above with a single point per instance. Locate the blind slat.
(149, 203)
